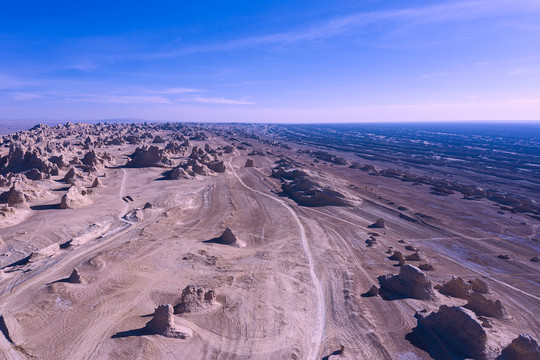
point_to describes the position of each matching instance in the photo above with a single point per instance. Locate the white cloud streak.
(221, 101)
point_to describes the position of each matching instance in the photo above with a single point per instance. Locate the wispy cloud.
(26, 96)
(524, 71)
(12, 82)
(180, 91)
(459, 11)
(221, 101)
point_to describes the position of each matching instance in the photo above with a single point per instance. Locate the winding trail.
(321, 306)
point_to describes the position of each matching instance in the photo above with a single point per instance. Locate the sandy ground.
(293, 292)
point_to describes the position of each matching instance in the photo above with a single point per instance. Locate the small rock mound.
(414, 257)
(479, 286)
(399, 257)
(75, 277)
(195, 299)
(249, 163)
(227, 238)
(373, 291)
(379, 224)
(97, 183)
(457, 287)
(163, 324)
(486, 307)
(426, 267)
(411, 282)
(459, 328)
(535, 259)
(524, 347)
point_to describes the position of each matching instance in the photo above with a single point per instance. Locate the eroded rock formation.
(410, 282)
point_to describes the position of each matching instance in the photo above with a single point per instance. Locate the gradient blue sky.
(278, 61)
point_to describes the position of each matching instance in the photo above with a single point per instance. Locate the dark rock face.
(217, 166)
(249, 163)
(379, 224)
(524, 347)
(426, 267)
(486, 307)
(414, 257)
(373, 291)
(75, 277)
(149, 157)
(195, 299)
(227, 238)
(411, 282)
(459, 329)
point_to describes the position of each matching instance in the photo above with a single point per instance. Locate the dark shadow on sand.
(45, 207)
(129, 333)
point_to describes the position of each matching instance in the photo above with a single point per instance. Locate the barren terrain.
(144, 215)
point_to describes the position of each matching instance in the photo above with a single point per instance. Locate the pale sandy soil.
(293, 292)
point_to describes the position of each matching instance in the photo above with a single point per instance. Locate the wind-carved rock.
(195, 299)
(411, 282)
(75, 277)
(524, 347)
(149, 157)
(76, 197)
(456, 329)
(456, 287)
(379, 224)
(486, 307)
(163, 324)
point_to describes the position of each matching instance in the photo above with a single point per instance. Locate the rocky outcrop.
(177, 173)
(455, 329)
(249, 163)
(216, 166)
(195, 299)
(379, 224)
(227, 238)
(16, 197)
(410, 282)
(309, 193)
(479, 286)
(76, 197)
(97, 183)
(456, 287)
(399, 257)
(158, 140)
(163, 324)
(486, 307)
(75, 277)
(524, 347)
(149, 157)
(71, 176)
(426, 267)
(414, 257)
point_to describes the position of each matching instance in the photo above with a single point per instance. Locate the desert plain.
(240, 241)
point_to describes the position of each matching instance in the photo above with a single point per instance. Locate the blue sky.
(279, 61)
